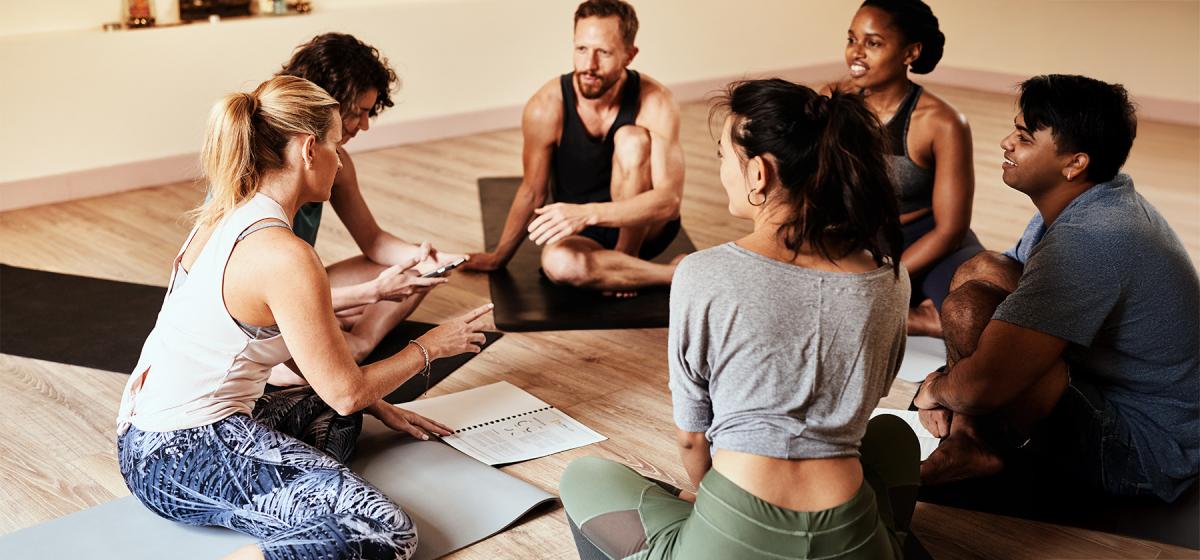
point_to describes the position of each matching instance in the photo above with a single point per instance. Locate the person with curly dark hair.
(374, 291)
(929, 148)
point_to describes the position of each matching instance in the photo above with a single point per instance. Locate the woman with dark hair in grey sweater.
(781, 343)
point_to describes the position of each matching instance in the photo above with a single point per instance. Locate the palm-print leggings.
(279, 476)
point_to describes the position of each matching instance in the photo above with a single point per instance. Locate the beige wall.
(1151, 46)
(77, 100)
(83, 99)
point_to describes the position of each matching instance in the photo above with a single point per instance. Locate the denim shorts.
(1085, 439)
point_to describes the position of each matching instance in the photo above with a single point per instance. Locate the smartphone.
(443, 270)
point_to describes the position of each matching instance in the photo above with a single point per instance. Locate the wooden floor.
(57, 420)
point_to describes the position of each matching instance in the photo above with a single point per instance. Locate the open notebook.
(926, 439)
(500, 424)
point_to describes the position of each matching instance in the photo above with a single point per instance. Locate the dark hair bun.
(916, 21)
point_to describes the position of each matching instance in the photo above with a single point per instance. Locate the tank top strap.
(570, 114)
(631, 103)
(898, 125)
(209, 267)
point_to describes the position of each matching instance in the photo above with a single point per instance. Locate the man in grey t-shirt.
(1082, 340)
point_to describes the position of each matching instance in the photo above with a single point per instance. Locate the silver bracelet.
(424, 353)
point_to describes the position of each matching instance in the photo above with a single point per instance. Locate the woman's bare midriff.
(795, 484)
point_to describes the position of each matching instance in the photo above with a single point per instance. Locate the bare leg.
(965, 452)
(631, 177)
(583, 263)
(924, 320)
(991, 267)
(376, 320)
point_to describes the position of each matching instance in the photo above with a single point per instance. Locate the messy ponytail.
(829, 157)
(248, 134)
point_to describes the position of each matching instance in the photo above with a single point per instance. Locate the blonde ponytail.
(248, 134)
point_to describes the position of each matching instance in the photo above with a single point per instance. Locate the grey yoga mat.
(454, 500)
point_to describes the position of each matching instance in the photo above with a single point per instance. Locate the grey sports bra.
(914, 184)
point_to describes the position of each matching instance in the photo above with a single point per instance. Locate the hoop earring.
(751, 202)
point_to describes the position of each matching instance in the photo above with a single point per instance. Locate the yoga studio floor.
(57, 432)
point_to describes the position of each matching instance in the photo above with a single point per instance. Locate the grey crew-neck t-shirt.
(781, 361)
(1111, 278)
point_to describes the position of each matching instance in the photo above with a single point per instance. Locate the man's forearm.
(963, 390)
(519, 216)
(652, 206)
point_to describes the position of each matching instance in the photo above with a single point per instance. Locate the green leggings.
(616, 513)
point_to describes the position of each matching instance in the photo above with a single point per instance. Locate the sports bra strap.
(269, 222)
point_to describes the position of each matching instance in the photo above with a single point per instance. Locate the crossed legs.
(365, 326)
(968, 451)
(583, 262)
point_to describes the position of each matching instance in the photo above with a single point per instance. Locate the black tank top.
(914, 184)
(582, 163)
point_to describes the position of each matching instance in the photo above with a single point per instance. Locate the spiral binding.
(499, 420)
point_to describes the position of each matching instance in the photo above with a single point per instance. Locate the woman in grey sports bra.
(887, 39)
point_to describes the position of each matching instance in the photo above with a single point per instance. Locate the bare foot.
(959, 457)
(924, 320)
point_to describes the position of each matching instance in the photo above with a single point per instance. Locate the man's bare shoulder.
(658, 107)
(655, 95)
(544, 111)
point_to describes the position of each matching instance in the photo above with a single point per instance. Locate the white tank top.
(198, 366)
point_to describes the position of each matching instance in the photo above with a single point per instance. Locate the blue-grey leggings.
(280, 477)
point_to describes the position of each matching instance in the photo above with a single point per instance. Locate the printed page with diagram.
(499, 424)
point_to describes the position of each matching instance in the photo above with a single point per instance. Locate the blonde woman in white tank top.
(198, 441)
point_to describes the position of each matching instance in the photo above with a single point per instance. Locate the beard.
(597, 89)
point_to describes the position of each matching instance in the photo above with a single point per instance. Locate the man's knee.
(631, 147)
(565, 265)
(988, 266)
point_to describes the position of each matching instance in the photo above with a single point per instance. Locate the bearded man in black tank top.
(605, 140)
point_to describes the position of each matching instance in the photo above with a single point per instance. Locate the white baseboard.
(148, 173)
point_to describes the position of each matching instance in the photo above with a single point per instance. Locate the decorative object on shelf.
(200, 10)
(280, 7)
(139, 13)
(166, 12)
(302, 6)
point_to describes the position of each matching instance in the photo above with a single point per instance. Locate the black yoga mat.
(102, 324)
(412, 389)
(75, 320)
(1023, 492)
(527, 301)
